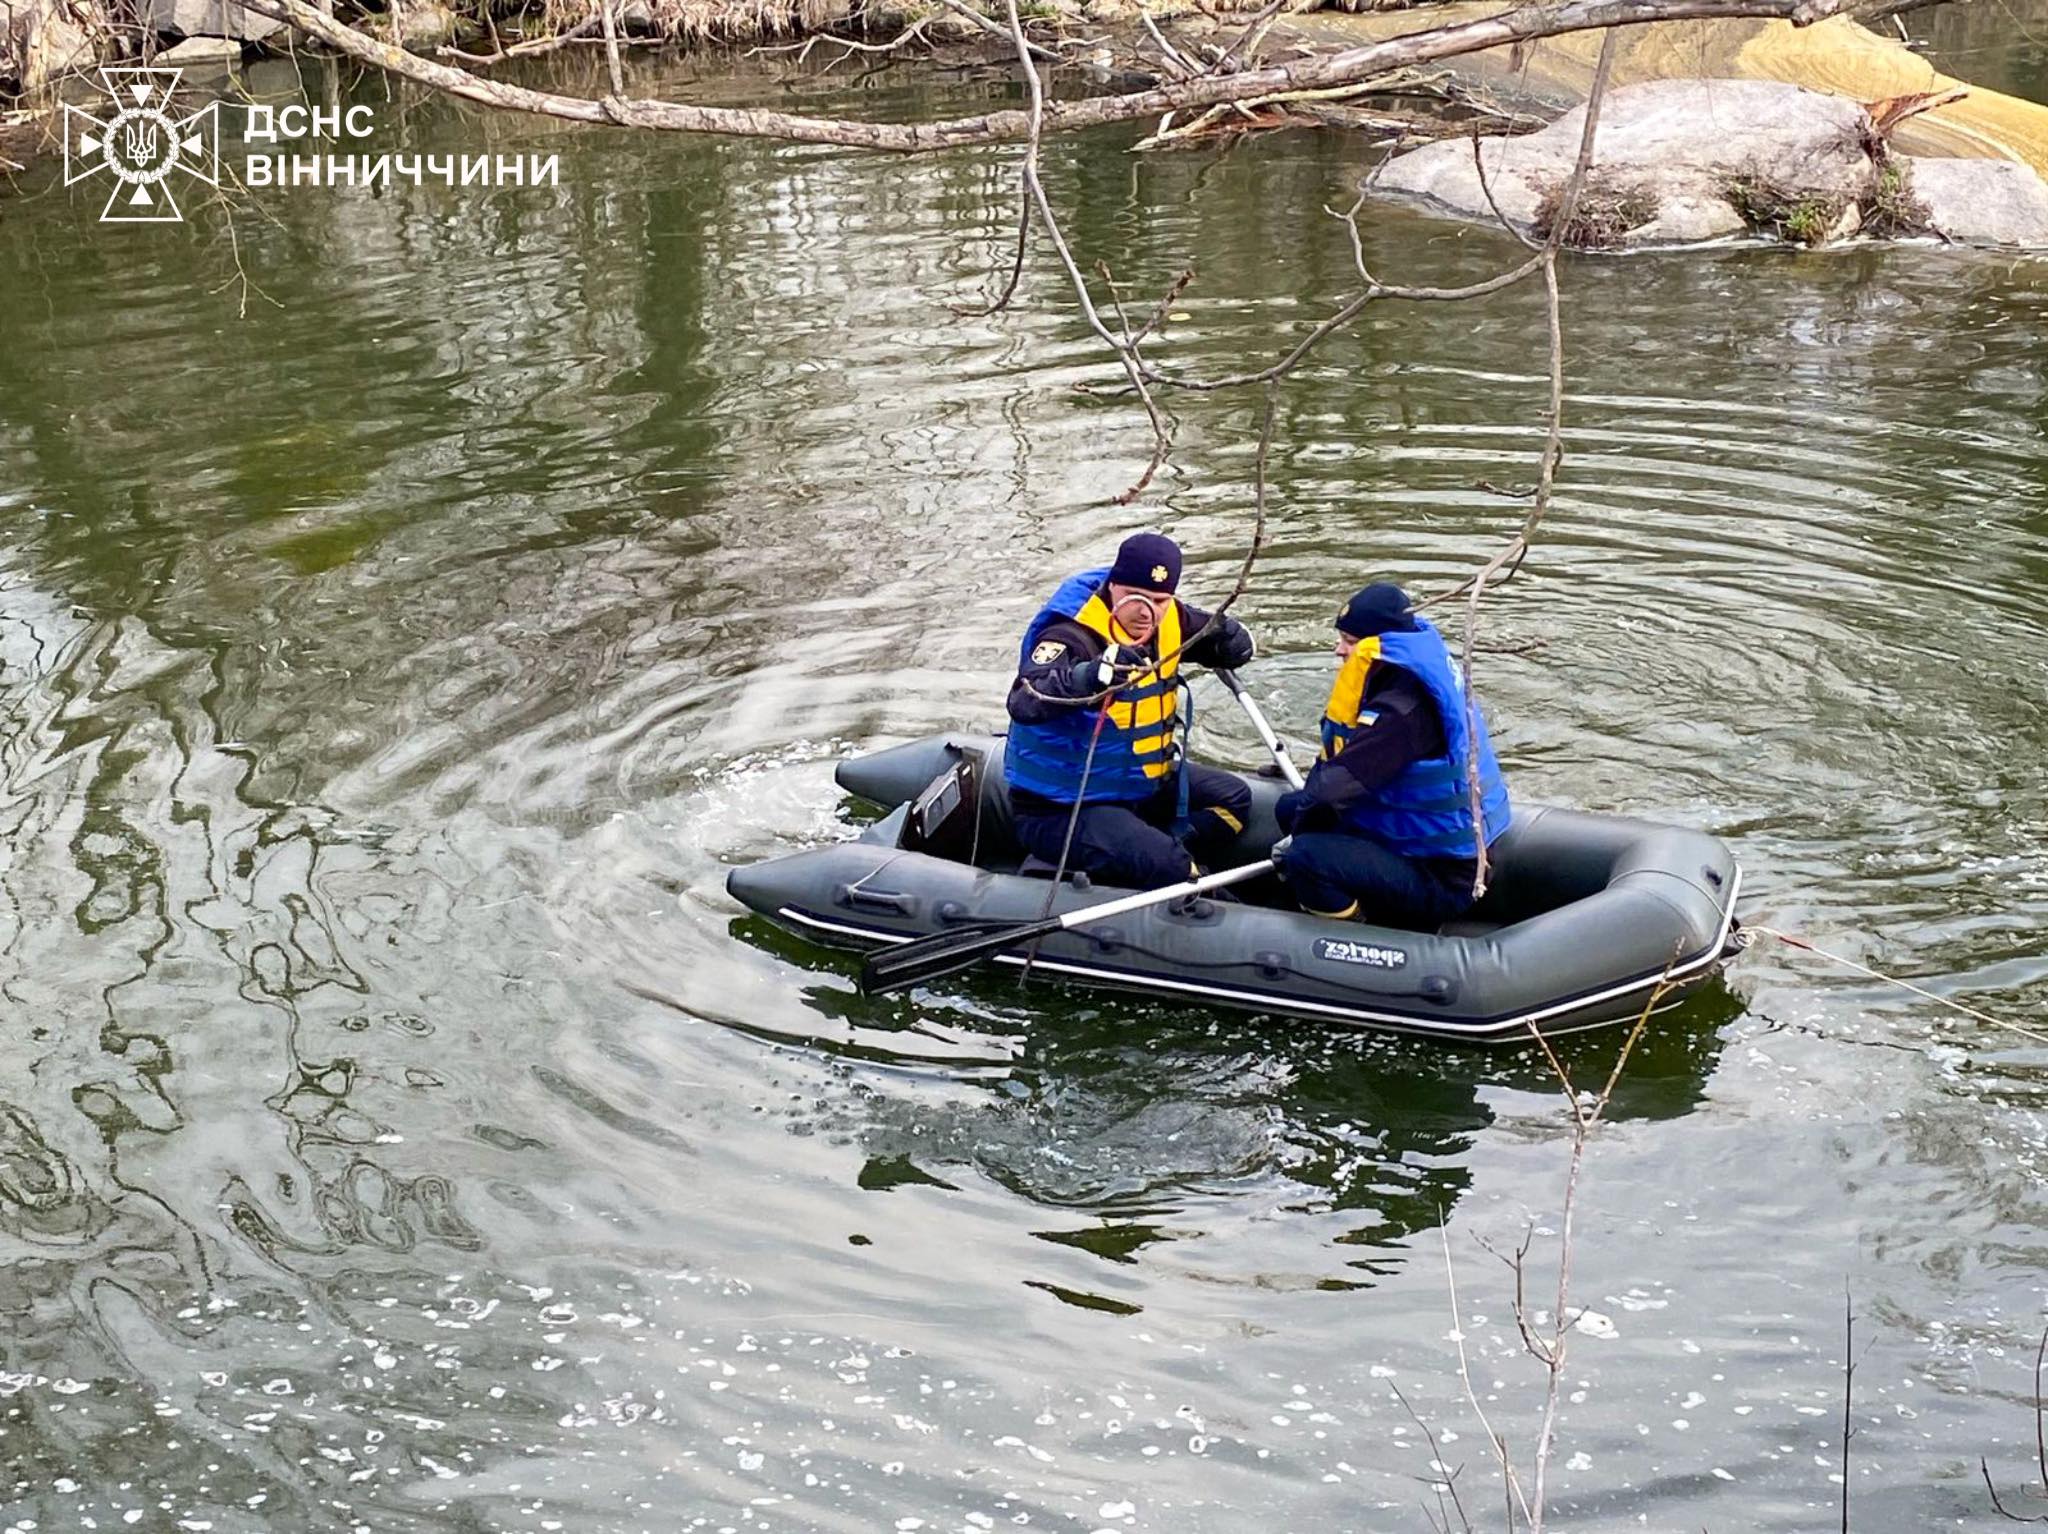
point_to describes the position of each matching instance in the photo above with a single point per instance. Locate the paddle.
(930, 958)
(946, 953)
(1287, 768)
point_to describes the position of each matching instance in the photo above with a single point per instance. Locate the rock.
(208, 18)
(39, 43)
(420, 26)
(1689, 220)
(1980, 202)
(202, 51)
(1680, 147)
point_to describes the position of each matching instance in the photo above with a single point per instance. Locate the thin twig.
(1049, 220)
(994, 29)
(1486, 186)
(2040, 1445)
(1449, 1481)
(1226, 61)
(1848, 1383)
(1553, 452)
(1511, 1486)
(1584, 1121)
(1344, 66)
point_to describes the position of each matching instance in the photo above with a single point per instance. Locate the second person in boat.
(1383, 829)
(1146, 815)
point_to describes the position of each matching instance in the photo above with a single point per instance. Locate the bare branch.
(1450, 1477)
(994, 28)
(1248, 39)
(1848, 1382)
(1553, 451)
(1002, 299)
(1125, 350)
(1343, 67)
(580, 33)
(2040, 1444)
(611, 48)
(1584, 1119)
(1511, 1486)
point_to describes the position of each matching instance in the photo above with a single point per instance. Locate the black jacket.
(1070, 650)
(1407, 729)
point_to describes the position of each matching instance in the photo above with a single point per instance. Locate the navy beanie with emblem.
(1149, 561)
(1378, 609)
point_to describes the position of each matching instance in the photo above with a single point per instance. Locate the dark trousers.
(1130, 843)
(1341, 874)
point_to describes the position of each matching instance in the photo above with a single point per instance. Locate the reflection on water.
(394, 1108)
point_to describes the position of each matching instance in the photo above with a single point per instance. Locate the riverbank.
(43, 43)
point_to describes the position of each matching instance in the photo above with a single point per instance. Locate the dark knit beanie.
(1378, 609)
(1149, 561)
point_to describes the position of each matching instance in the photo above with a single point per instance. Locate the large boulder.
(1675, 161)
(1979, 202)
(208, 18)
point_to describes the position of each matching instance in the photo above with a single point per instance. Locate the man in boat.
(1382, 830)
(1094, 714)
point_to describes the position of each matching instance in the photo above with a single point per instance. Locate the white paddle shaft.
(1138, 902)
(1287, 767)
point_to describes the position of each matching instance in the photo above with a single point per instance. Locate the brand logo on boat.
(1344, 951)
(141, 145)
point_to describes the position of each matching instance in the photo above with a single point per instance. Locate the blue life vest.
(1427, 811)
(1136, 748)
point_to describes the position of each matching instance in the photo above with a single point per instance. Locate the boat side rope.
(1904, 985)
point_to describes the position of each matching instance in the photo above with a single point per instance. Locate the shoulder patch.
(1048, 651)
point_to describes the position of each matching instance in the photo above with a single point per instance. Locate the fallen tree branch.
(987, 24)
(1344, 67)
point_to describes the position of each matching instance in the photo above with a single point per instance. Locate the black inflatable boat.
(1586, 914)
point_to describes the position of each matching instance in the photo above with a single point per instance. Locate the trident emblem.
(140, 145)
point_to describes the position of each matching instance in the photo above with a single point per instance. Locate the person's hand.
(1235, 645)
(1094, 675)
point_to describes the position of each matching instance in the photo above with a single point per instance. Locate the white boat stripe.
(1271, 1001)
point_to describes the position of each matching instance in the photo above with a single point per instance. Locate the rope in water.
(1904, 985)
(1059, 872)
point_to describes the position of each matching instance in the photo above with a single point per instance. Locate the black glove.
(1116, 665)
(1234, 645)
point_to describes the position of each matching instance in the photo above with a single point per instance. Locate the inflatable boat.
(1586, 917)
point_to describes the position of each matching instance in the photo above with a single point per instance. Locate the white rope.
(1904, 985)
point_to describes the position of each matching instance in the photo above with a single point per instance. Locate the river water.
(414, 600)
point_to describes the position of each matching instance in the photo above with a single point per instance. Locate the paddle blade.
(944, 953)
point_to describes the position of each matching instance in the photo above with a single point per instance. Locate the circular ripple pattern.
(395, 1105)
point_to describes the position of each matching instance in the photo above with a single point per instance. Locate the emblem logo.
(1345, 951)
(141, 145)
(1159, 574)
(1048, 651)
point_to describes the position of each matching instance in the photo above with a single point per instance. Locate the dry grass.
(1772, 209)
(1893, 212)
(1608, 209)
